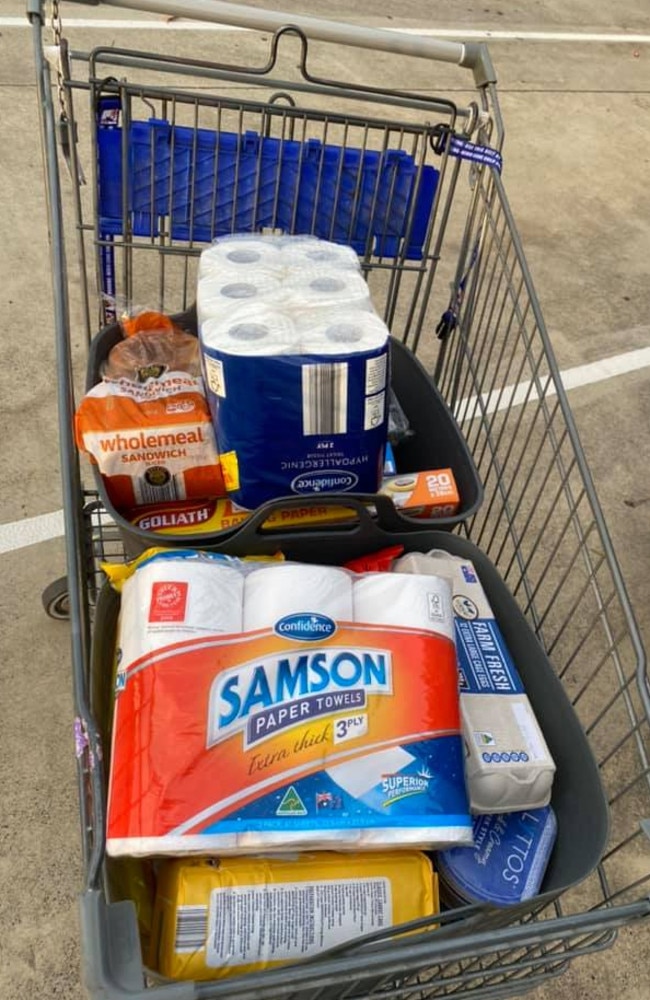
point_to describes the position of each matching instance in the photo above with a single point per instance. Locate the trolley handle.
(386, 519)
(470, 55)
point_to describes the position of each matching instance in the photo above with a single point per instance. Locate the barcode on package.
(191, 928)
(325, 399)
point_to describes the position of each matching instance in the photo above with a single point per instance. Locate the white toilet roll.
(221, 294)
(244, 253)
(420, 602)
(287, 589)
(172, 600)
(251, 332)
(320, 288)
(342, 332)
(310, 252)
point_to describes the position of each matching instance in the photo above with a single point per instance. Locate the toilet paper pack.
(296, 364)
(327, 717)
(508, 764)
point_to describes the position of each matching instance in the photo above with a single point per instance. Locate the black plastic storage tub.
(578, 799)
(436, 443)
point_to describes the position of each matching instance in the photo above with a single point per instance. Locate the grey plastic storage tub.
(437, 443)
(111, 948)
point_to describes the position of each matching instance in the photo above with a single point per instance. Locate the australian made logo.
(291, 804)
(330, 480)
(397, 787)
(264, 697)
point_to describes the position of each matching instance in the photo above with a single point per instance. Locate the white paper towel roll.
(245, 253)
(252, 331)
(342, 332)
(420, 602)
(274, 592)
(171, 600)
(221, 294)
(319, 288)
(310, 251)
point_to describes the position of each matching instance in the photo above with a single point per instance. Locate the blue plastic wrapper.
(263, 427)
(508, 861)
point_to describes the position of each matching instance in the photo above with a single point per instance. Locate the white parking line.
(32, 530)
(572, 378)
(460, 33)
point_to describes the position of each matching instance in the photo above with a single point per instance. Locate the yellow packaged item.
(217, 918)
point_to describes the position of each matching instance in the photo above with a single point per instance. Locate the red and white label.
(168, 602)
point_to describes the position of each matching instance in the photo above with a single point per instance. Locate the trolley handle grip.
(471, 55)
(386, 519)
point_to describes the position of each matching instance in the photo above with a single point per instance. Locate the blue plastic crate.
(205, 184)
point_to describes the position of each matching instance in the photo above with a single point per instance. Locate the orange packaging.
(420, 494)
(152, 441)
(424, 494)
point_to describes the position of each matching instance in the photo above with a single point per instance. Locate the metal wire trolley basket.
(167, 154)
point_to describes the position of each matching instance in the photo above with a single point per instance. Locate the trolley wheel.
(56, 600)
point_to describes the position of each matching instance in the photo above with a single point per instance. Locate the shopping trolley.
(176, 152)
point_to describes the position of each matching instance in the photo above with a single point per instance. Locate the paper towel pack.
(327, 716)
